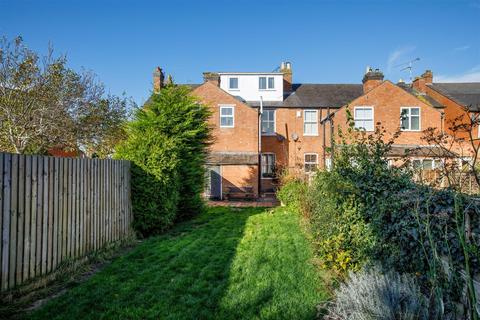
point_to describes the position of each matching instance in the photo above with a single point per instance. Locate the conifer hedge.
(167, 144)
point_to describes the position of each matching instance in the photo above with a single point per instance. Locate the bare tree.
(459, 149)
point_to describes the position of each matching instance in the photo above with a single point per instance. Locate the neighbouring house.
(460, 100)
(263, 122)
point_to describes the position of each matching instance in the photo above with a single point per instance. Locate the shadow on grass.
(181, 275)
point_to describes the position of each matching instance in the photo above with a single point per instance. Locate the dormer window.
(266, 83)
(233, 84)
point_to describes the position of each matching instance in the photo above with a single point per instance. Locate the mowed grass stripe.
(248, 263)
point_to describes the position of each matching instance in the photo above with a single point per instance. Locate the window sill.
(362, 129)
(406, 130)
(269, 134)
(229, 89)
(266, 90)
(310, 135)
(227, 127)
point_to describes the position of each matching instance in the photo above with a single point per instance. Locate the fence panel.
(53, 209)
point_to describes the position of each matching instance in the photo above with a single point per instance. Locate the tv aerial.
(408, 66)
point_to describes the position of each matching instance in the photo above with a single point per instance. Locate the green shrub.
(292, 193)
(167, 144)
(365, 212)
(341, 236)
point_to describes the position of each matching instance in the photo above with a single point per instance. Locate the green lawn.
(250, 263)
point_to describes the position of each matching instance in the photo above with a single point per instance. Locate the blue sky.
(326, 41)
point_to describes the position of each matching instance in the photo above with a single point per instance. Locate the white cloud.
(462, 48)
(396, 55)
(472, 75)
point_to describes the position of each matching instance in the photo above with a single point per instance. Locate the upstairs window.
(363, 117)
(265, 83)
(227, 116)
(311, 162)
(410, 119)
(268, 165)
(233, 83)
(268, 122)
(310, 123)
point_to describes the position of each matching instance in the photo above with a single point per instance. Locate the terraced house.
(264, 122)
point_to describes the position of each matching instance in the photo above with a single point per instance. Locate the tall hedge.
(167, 143)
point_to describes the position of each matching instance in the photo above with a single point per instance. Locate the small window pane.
(227, 111)
(414, 111)
(226, 121)
(310, 116)
(311, 158)
(405, 124)
(271, 82)
(233, 83)
(310, 128)
(415, 123)
(427, 164)
(262, 83)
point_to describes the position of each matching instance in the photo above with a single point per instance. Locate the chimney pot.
(286, 69)
(420, 83)
(371, 79)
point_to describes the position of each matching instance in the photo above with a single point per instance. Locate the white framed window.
(426, 164)
(410, 118)
(266, 83)
(227, 116)
(310, 122)
(310, 162)
(363, 117)
(268, 122)
(268, 165)
(233, 83)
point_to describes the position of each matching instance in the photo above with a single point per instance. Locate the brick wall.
(387, 99)
(244, 135)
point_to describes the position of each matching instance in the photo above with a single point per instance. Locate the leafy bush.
(365, 212)
(292, 193)
(345, 204)
(371, 294)
(342, 238)
(167, 143)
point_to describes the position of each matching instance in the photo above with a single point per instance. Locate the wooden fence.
(54, 209)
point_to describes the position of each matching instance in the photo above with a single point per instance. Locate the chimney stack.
(158, 78)
(371, 79)
(420, 83)
(212, 77)
(286, 69)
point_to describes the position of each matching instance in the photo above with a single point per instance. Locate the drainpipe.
(260, 112)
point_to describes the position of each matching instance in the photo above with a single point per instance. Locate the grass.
(250, 263)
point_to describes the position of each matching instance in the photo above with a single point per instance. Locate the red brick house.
(263, 122)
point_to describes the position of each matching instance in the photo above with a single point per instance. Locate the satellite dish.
(294, 136)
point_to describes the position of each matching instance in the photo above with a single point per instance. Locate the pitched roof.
(422, 96)
(398, 150)
(316, 96)
(466, 94)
